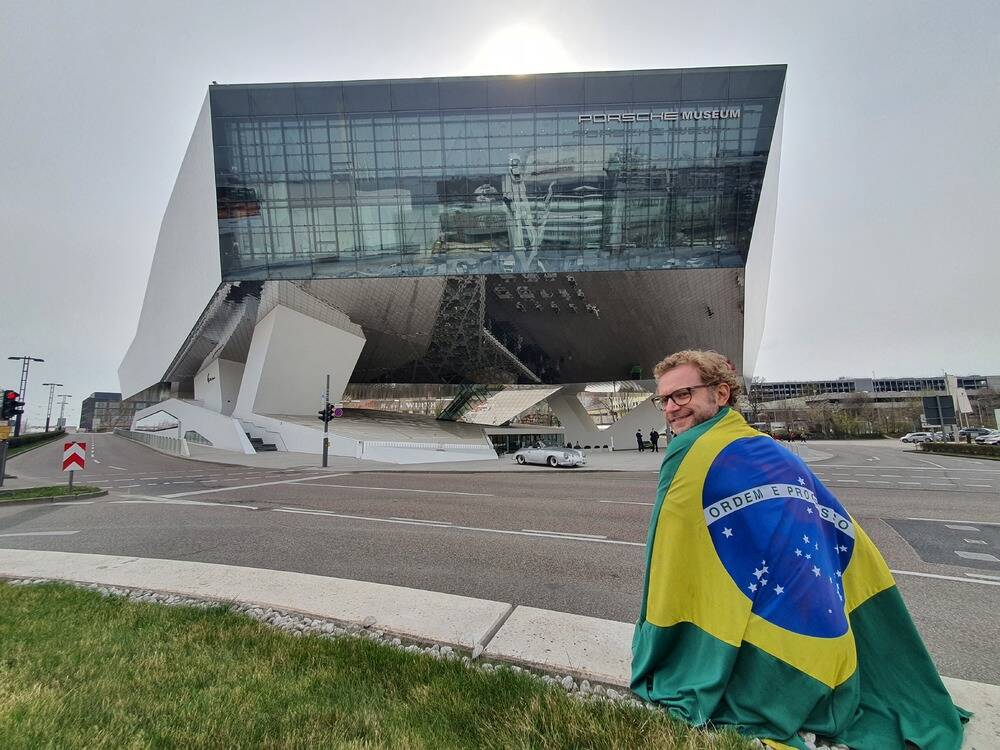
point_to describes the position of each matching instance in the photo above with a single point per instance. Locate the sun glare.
(521, 48)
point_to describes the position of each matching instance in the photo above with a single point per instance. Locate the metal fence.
(176, 446)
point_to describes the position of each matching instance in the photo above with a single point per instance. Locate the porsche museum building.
(529, 234)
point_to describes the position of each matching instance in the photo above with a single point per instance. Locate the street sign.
(74, 456)
(939, 410)
(5, 431)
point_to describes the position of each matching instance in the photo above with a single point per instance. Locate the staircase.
(259, 445)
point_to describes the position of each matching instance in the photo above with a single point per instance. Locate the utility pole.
(25, 364)
(326, 423)
(62, 408)
(52, 393)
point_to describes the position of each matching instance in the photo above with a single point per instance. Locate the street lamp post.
(52, 393)
(25, 364)
(62, 408)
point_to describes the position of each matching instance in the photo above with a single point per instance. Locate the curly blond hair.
(711, 366)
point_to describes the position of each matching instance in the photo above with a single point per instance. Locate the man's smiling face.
(705, 401)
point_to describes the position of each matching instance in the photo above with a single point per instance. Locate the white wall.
(186, 269)
(290, 356)
(217, 385)
(580, 427)
(758, 270)
(222, 431)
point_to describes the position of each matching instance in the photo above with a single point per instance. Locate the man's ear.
(720, 399)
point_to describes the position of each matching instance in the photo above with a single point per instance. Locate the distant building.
(104, 411)
(875, 387)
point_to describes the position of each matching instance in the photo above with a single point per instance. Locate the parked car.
(918, 437)
(990, 438)
(539, 453)
(973, 432)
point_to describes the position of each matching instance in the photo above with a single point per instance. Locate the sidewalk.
(585, 647)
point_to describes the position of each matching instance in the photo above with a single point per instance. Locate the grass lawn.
(51, 491)
(18, 449)
(78, 670)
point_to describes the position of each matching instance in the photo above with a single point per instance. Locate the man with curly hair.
(765, 606)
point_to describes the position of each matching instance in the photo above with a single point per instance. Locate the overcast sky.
(888, 228)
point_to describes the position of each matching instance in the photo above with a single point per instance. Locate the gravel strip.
(298, 625)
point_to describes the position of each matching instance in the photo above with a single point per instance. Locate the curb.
(52, 498)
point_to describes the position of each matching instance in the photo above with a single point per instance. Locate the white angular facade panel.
(218, 385)
(758, 269)
(186, 267)
(290, 357)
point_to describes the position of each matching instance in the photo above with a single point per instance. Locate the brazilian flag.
(766, 607)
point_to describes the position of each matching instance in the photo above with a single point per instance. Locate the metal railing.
(176, 446)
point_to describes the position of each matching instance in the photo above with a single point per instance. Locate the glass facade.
(550, 173)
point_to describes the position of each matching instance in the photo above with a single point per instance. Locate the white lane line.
(942, 578)
(940, 484)
(566, 533)
(990, 486)
(463, 528)
(186, 481)
(127, 486)
(119, 468)
(983, 575)
(960, 527)
(846, 481)
(397, 489)
(879, 481)
(162, 501)
(859, 474)
(247, 486)
(74, 502)
(95, 460)
(623, 502)
(984, 556)
(910, 468)
(975, 541)
(952, 520)
(916, 483)
(422, 520)
(892, 476)
(42, 533)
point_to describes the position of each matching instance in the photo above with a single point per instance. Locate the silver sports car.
(539, 453)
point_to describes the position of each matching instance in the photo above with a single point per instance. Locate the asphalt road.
(563, 540)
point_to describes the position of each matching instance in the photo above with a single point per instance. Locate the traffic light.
(12, 406)
(326, 414)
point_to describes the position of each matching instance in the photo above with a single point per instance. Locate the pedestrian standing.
(638, 439)
(654, 438)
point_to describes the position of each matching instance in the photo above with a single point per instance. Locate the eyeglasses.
(681, 397)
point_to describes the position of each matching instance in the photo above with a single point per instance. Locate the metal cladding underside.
(510, 328)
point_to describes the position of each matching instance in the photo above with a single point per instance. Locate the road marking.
(983, 575)
(119, 468)
(510, 532)
(95, 460)
(248, 486)
(984, 556)
(163, 501)
(126, 486)
(990, 486)
(908, 483)
(623, 502)
(959, 527)
(422, 520)
(42, 533)
(186, 481)
(975, 541)
(845, 481)
(879, 481)
(892, 476)
(859, 474)
(566, 533)
(952, 520)
(910, 468)
(943, 578)
(397, 489)
(74, 502)
(940, 484)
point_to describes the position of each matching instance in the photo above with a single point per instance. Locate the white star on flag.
(779, 590)
(839, 575)
(753, 588)
(809, 557)
(805, 539)
(727, 533)
(758, 572)
(801, 480)
(764, 569)
(816, 546)
(842, 548)
(815, 571)
(809, 511)
(763, 581)
(798, 553)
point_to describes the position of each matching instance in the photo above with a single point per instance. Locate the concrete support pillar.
(580, 428)
(290, 356)
(217, 385)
